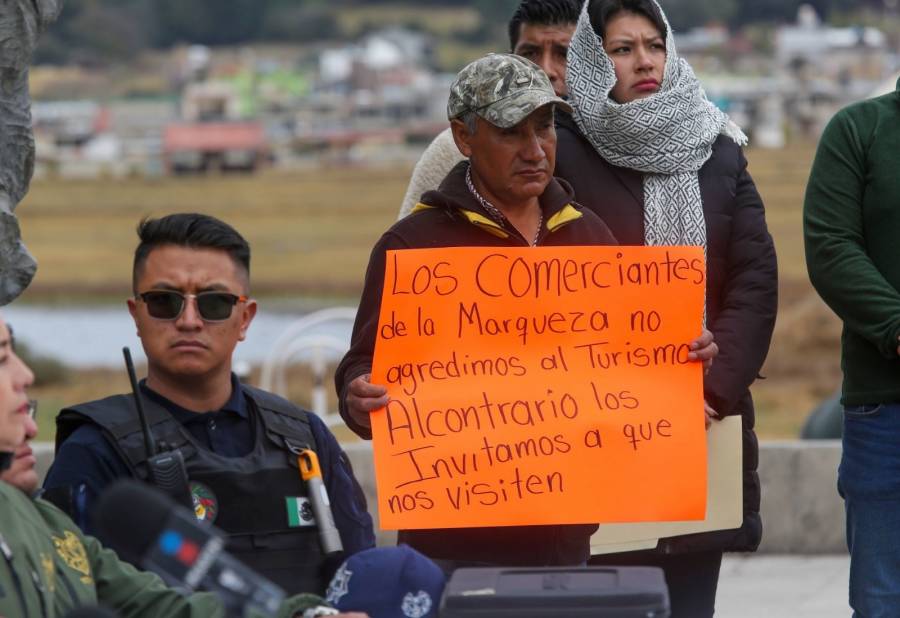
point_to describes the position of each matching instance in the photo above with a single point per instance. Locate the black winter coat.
(741, 293)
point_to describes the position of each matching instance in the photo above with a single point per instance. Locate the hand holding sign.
(363, 397)
(704, 349)
(540, 386)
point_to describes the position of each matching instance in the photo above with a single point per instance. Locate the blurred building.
(211, 134)
(86, 139)
(379, 100)
(823, 68)
(376, 100)
(790, 90)
(210, 146)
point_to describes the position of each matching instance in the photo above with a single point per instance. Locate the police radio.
(167, 469)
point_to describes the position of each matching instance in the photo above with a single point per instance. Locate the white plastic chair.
(303, 342)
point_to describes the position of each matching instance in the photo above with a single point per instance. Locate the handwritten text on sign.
(540, 386)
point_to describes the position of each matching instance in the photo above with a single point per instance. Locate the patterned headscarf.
(668, 136)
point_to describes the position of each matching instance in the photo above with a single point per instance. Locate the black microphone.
(147, 528)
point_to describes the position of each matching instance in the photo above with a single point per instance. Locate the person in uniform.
(49, 566)
(191, 307)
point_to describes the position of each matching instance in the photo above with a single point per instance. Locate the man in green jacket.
(48, 566)
(851, 223)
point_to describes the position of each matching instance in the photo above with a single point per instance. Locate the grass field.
(311, 235)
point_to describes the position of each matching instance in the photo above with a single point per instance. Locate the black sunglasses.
(168, 304)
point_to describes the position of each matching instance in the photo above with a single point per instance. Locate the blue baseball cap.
(388, 582)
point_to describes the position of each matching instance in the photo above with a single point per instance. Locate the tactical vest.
(258, 500)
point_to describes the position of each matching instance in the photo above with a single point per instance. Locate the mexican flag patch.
(299, 512)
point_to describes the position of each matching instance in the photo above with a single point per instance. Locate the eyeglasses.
(168, 304)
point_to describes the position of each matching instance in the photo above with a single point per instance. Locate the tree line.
(97, 30)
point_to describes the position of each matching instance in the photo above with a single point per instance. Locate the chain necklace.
(494, 212)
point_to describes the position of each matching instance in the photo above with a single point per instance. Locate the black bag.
(557, 592)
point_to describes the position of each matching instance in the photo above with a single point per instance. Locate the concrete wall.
(801, 510)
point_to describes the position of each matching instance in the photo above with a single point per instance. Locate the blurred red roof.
(214, 136)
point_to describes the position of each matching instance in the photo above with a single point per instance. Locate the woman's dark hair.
(602, 11)
(191, 230)
(542, 13)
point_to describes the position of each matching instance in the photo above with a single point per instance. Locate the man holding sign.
(501, 110)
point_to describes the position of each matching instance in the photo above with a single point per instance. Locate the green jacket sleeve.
(134, 593)
(839, 266)
(63, 568)
(131, 592)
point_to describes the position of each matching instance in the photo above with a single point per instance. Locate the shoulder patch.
(49, 568)
(206, 505)
(73, 554)
(416, 605)
(340, 585)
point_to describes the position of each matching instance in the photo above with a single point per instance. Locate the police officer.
(49, 567)
(191, 307)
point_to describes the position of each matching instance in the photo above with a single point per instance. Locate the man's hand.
(704, 348)
(710, 414)
(363, 397)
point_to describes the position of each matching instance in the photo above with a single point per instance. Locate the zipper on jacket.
(42, 591)
(17, 583)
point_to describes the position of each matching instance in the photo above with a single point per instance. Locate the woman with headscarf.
(662, 165)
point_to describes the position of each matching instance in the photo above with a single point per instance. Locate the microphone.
(147, 528)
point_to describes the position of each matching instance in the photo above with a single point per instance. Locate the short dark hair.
(601, 11)
(542, 13)
(192, 230)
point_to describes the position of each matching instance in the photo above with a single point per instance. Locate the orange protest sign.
(540, 385)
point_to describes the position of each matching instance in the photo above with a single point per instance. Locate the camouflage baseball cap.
(501, 88)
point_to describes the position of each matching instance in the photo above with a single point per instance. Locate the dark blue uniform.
(87, 462)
